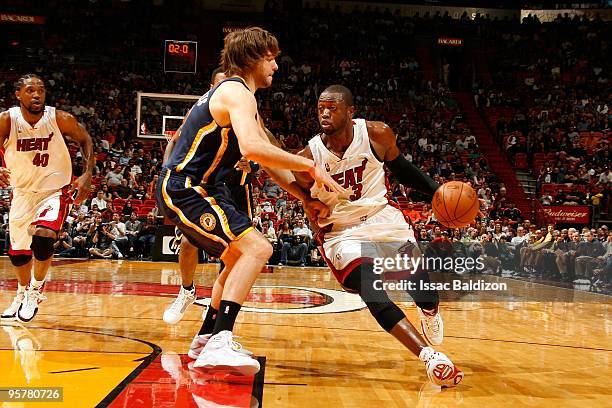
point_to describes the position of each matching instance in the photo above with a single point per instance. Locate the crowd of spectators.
(374, 54)
(549, 104)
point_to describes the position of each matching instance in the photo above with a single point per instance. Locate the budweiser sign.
(569, 214)
(21, 19)
(453, 42)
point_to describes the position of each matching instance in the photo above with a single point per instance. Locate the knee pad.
(386, 314)
(42, 247)
(20, 260)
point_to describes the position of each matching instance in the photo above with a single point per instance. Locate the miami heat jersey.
(37, 155)
(358, 168)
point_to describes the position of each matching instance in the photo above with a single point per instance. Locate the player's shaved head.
(217, 76)
(343, 91)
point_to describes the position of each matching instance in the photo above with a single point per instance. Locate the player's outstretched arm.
(242, 109)
(76, 132)
(5, 131)
(385, 144)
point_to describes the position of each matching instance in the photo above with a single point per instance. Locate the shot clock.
(180, 56)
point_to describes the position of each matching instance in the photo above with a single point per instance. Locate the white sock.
(21, 288)
(36, 284)
(426, 352)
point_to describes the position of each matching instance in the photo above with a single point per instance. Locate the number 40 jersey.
(37, 156)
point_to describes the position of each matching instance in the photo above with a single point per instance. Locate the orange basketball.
(455, 204)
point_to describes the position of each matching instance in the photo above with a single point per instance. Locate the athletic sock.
(37, 284)
(228, 311)
(189, 288)
(209, 321)
(21, 288)
(425, 353)
(431, 312)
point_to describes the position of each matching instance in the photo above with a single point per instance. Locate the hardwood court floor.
(100, 336)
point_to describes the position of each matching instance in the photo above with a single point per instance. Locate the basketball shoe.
(200, 340)
(174, 313)
(11, 311)
(29, 307)
(220, 354)
(432, 326)
(440, 370)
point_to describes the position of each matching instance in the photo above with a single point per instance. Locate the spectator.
(114, 177)
(99, 201)
(146, 237)
(586, 257)
(123, 190)
(132, 227)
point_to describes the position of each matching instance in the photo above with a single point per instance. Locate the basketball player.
(238, 180)
(219, 129)
(188, 253)
(355, 152)
(39, 167)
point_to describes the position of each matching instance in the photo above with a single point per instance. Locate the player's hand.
(315, 210)
(5, 177)
(82, 185)
(243, 165)
(322, 178)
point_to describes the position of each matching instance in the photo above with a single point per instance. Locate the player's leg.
(390, 317)
(188, 262)
(427, 302)
(208, 325)
(42, 251)
(219, 229)
(221, 352)
(51, 211)
(22, 263)
(20, 253)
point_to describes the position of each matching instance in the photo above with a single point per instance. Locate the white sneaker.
(29, 307)
(11, 311)
(220, 354)
(432, 326)
(199, 341)
(440, 370)
(174, 313)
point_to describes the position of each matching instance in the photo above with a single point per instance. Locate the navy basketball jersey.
(204, 151)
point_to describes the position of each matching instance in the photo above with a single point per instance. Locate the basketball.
(455, 204)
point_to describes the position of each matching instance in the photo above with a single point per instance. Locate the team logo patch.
(208, 221)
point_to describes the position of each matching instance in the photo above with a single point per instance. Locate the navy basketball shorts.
(209, 222)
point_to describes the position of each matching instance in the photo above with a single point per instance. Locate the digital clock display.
(180, 56)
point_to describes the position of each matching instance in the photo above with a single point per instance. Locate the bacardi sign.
(569, 214)
(452, 42)
(21, 19)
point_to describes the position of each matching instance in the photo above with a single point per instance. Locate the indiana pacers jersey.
(37, 155)
(358, 168)
(204, 150)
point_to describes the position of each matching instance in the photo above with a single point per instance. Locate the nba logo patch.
(208, 221)
(327, 167)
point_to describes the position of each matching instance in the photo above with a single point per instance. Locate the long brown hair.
(242, 49)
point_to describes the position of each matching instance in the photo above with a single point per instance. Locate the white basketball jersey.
(37, 155)
(358, 168)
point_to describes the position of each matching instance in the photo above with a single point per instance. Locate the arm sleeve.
(410, 175)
